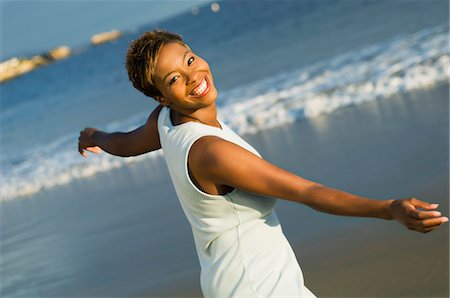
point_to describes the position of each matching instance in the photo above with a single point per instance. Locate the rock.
(105, 37)
(59, 53)
(14, 67)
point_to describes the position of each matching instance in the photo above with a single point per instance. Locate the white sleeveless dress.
(240, 245)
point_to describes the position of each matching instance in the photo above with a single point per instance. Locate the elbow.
(308, 194)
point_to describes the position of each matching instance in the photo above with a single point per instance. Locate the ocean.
(275, 63)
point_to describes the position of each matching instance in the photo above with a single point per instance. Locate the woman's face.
(183, 78)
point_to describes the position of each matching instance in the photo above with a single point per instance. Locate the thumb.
(94, 149)
(423, 205)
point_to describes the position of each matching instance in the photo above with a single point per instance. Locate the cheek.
(178, 90)
(203, 64)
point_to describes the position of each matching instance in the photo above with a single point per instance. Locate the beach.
(350, 94)
(122, 233)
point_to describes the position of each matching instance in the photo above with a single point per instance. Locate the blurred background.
(352, 94)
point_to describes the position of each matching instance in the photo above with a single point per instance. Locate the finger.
(423, 205)
(428, 229)
(418, 214)
(82, 152)
(95, 149)
(80, 149)
(428, 223)
(92, 150)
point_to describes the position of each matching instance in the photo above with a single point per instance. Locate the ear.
(162, 101)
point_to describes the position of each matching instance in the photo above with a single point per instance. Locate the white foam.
(403, 64)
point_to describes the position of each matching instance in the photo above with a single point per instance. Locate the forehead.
(170, 55)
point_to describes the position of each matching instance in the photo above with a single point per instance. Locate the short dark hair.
(142, 55)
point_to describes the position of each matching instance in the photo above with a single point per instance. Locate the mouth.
(201, 89)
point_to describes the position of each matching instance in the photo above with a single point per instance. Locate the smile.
(201, 88)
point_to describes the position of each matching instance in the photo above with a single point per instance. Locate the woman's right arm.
(139, 141)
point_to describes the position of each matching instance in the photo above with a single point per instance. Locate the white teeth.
(200, 88)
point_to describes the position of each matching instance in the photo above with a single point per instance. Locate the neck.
(206, 115)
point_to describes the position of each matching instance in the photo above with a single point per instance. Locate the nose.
(193, 77)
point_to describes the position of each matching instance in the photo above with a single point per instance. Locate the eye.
(190, 61)
(173, 80)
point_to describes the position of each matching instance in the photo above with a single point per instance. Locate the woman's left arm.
(224, 163)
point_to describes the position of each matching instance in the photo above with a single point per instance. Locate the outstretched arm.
(139, 141)
(227, 164)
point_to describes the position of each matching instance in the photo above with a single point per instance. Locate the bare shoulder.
(213, 149)
(211, 154)
(146, 138)
(152, 120)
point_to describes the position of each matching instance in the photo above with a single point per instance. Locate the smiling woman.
(186, 85)
(226, 189)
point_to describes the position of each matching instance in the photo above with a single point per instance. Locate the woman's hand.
(417, 215)
(86, 142)
(139, 141)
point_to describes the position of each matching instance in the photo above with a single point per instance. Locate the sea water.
(274, 62)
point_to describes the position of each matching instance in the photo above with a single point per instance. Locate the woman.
(225, 188)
